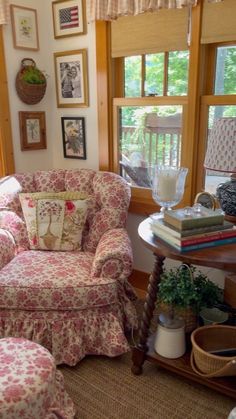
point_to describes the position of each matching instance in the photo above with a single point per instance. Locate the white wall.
(53, 157)
(44, 58)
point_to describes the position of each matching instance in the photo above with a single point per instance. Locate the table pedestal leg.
(139, 351)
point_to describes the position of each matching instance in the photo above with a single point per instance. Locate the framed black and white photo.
(69, 18)
(71, 78)
(73, 135)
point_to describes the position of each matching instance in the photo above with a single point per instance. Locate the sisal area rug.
(105, 388)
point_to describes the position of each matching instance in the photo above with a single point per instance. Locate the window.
(150, 134)
(154, 73)
(220, 103)
(161, 74)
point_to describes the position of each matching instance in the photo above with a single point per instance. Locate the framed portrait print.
(24, 27)
(32, 130)
(73, 135)
(69, 18)
(71, 78)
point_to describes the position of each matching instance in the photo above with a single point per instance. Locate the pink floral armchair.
(74, 302)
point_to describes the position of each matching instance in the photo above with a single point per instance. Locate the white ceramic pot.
(170, 338)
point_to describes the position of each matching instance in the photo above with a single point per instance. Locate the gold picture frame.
(69, 18)
(71, 77)
(24, 27)
(32, 130)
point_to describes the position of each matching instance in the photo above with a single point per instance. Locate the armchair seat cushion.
(54, 281)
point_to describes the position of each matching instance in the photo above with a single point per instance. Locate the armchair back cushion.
(109, 197)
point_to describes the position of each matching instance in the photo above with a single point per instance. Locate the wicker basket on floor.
(206, 339)
(28, 92)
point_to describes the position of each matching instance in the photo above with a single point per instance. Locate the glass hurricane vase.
(168, 186)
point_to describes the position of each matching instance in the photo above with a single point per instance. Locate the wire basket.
(207, 339)
(30, 93)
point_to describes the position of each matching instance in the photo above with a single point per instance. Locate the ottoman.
(30, 385)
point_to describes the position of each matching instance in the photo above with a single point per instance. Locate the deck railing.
(158, 142)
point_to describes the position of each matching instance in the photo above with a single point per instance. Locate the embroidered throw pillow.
(54, 220)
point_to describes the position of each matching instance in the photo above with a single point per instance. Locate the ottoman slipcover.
(30, 385)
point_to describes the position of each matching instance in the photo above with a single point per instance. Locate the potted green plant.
(184, 291)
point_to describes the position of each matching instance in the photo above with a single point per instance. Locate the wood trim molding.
(139, 279)
(7, 165)
(104, 94)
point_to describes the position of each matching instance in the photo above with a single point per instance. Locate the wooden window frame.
(141, 201)
(209, 99)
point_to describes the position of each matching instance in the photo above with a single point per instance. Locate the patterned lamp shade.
(221, 148)
(221, 157)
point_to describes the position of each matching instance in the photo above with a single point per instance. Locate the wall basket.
(30, 83)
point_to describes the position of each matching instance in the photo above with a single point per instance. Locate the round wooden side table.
(219, 257)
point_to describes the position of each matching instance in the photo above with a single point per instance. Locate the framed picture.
(24, 27)
(32, 130)
(69, 18)
(73, 134)
(71, 78)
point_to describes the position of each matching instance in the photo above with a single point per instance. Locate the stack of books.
(195, 231)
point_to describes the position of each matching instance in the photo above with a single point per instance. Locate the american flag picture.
(69, 17)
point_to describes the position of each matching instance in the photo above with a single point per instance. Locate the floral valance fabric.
(4, 11)
(112, 9)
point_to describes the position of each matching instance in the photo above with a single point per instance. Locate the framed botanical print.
(73, 134)
(32, 130)
(24, 27)
(69, 18)
(71, 77)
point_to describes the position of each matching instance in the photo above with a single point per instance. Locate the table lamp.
(221, 157)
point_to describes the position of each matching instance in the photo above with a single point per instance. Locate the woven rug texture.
(105, 388)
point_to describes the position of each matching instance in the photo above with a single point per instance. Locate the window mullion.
(143, 75)
(165, 84)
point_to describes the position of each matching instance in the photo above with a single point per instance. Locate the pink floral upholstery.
(7, 247)
(14, 224)
(76, 302)
(113, 261)
(30, 385)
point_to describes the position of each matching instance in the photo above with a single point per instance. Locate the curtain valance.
(112, 9)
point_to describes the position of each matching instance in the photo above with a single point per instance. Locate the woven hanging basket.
(30, 93)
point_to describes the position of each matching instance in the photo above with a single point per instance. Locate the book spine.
(185, 224)
(167, 237)
(212, 243)
(196, 232)
(204, 238)
(165, 230)
(208, 237)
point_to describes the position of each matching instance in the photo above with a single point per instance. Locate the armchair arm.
(7, 247)
(114, 256)
(12, 223)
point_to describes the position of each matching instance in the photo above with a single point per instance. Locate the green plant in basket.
(185, 287)
(33, 75)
